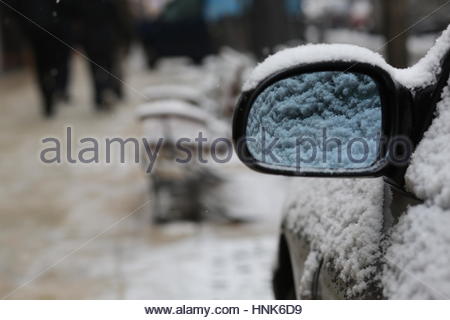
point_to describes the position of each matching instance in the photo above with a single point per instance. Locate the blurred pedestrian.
(44, 24)
(104, 32)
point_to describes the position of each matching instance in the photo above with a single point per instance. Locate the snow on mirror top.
(317, 121)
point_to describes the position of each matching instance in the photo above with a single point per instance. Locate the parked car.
(369, 219)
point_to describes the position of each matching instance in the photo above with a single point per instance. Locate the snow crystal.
(346, 105)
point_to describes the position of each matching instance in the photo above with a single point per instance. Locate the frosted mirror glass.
(317, 121)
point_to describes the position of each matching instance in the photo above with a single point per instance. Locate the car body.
(327, 280)
(375, 232)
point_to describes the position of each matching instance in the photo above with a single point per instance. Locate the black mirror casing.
(397, 121)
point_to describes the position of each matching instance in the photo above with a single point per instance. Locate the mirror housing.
(397, 124)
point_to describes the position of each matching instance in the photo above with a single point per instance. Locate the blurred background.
(155, 68)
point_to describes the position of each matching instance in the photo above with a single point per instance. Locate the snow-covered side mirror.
(329, 119)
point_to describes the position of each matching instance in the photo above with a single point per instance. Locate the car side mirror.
(331, 119)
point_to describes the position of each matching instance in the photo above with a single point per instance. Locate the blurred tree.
(395, 15)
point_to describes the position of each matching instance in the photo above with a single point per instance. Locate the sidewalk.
(77, 218)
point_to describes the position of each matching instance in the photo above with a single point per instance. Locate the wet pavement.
(84, 231)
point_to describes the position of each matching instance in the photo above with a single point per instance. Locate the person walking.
(104, 32)
(47, 30)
